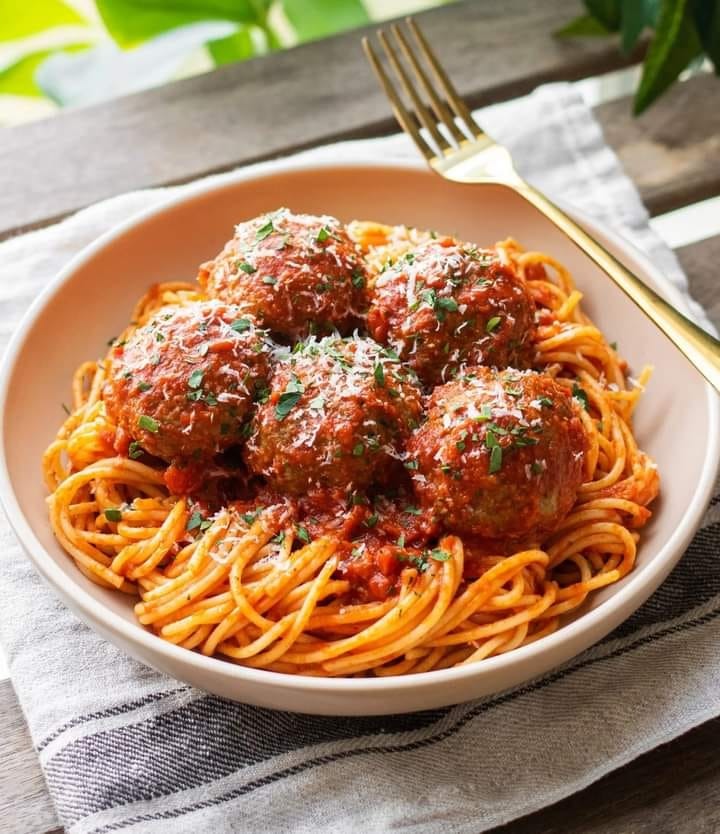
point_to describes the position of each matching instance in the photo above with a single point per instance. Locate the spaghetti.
(246, 582)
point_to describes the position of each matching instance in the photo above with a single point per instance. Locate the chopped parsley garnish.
(113, 514)
(358, 450)
(412, 510)
(536, 467)
(195, 379)
(246, 267)
(265, 230)
(144, 386)
(580, 395)
(448, 304)
(401, 540)
(492, 324)
(194, 521)
(322, 235)
(494, 428)
(485, 413)
(411, 464)
(391, 354)
(159, 337)
(439, 555)
(613, 345)
(546, 401)
(289, 398)
(379, 374)
(135, 450)
(440, 305)
(270, 280)
(358, 280)
(302, 534)
(148, 423)
(420, 562)
(241, 325)
(372, 520)
(495, 452)
(250, 518)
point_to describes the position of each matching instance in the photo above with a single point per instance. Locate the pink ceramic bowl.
(90, 301)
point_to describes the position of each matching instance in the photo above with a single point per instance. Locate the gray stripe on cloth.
(220, 737)
(536, 700)
(694, 581)
(125, 748)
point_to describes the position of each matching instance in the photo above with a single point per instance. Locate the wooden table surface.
(323, 92)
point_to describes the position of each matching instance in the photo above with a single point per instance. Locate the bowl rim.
(631, 594)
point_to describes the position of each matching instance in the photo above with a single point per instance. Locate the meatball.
(336, 410)
(182, 384)
(297, 273)
(500, 455)
(448, 305)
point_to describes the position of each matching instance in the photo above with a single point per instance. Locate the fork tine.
(401, 114)
(420, 109)
(441, 110)
(456, 102)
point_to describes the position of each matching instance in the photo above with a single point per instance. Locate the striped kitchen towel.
(126, 749)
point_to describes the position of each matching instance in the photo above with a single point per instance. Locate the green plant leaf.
(675, 44)
(632, 22)
(131, 22)
(707, 22)
(313, 19)
(18, 79)
(237, 47)
(635, 15)
(106, 71)
(651, 10)
(606, 11)
(20, 18)
(583, 26)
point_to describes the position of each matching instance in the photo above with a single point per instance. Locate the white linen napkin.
(125, 748)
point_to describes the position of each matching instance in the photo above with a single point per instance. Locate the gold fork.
(457, 148)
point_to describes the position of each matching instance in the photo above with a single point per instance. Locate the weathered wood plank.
(672, 151)
(667, 791)
(25, 805)
(701, 262)
(269, 106)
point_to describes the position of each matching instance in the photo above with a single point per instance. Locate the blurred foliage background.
(684, 37)
(58, 53)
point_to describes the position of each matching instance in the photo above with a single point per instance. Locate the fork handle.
(699, 347)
